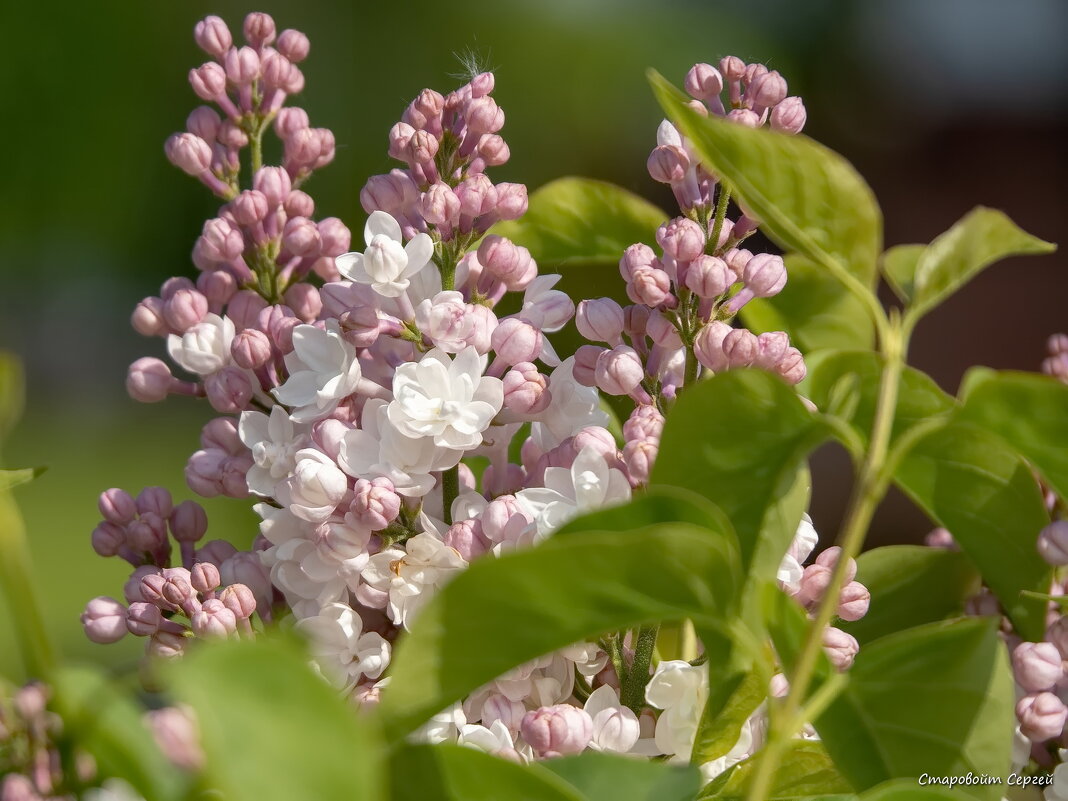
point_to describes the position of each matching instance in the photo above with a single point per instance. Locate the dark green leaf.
(809, 199)
(911, 585)
(12, 478)
(272, 729)
(567, 589)
(937, 699)
(814, 309)
(805, 772)
(12, 392)
(616, 778)
(973, 484)
(1028, 411)
(105, 721)
(718, 730)
(977, 240)
(898, 266)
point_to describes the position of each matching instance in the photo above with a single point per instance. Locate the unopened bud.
(104, 620)
(1038, 666)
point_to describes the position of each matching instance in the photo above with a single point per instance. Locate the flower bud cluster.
(1056, 364)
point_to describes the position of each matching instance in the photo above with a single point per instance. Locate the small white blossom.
(680, 690)
(308, 580)
(443, 727)
(344, 652)
(615, 727)
(804, 542)
(315, 487)
(280, 525)
(205, 348)
(387, 264)
(495, 740)
(572, 408)
(447, 399)
(323, 369)
(412, 575)
(444, 320)
(274, 442)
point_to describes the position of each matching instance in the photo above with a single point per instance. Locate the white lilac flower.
(548, 310)
(790, 569)
(314, 488)
(444, 320)
(343, 651)
(205, 348)
(587, 485)
(615, 727)
(447, 399)
(444, 727)
(544, 681)
(378, 449)
(308, 580)
(112, 790)
(680, 690)
(589, 658)
(274, 442)
(323, 369)
(573, 407)
(387, 264)
(280, 525)
(495, 740)
(412, 575)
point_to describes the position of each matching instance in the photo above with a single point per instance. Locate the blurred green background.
(941, 104)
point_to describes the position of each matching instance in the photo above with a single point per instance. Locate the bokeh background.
(941, 104)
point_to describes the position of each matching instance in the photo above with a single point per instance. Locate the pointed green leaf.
(621, 778)
(908, 790)
(898, 266)
(805, 772)
(13, 478)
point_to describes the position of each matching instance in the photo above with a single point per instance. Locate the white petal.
(381, 223)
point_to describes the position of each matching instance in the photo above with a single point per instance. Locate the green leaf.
(105, 721)
(12, 392)
(447, 772)
(814, 309)
(789, 628)
(13, 478)
(908, 790)
(575, 222)
(805, 771)
(970, 482)
(567, 589)
(980, 238)
(809, 199)
(911, 585)
(898, 266)
(655, 505)
(719, 729)
(937, 699)
(272, 729)
(619, 778)
(1028, 411)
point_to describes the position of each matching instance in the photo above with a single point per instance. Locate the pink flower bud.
(189, 522)
(259, 29)
(375, 503)
(218, 287)
(841, 648)
(165, 645)
(501, 257)
(667, 164)
(250, 349)
(204, 577)
(619, 371)
(299, 204)
(334, 236)
(500, 707)
(149, 380)
(792, 367)
(765, 275)
(147, 318)
(477, 196)
(483, 324)
(1038, 666)
(305, 301)
(245, 308)
(104, 620)
(184, 309)
(789, 116)
(709, 276)
(213, 37)
(814, 583)
(515, 341)
(703, 82)
(639, 456)
(232, 135)
(213, 620)
(440, 206)
(240, 600)
(143, 619)
(250, 207)
(493, 150)
(274, 184)
(175, 731)
(744, 116)
(208, 81)
(600, 320)
(108, 539)
(1042, 716)
(645, 422)
(649, 286)
(636, 256)
(229, 390)
(131, 590)
(1053, 543)
(116, 506)
(511, 200)
(301, 237)
(222, 241)
(466, 538)
(854, 601)
(682, 239)
(290, 121)
(175, 587)
(586, 358)
(663, 332)
(484, 116)
(189, 153)
(766, 90)
(294, 45)
(771, 348)
(708, 345)
(636, 320)
(557, 730)
(829, 559)
(526, 391)
(740, 347)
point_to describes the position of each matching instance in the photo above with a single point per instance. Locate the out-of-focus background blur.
(941, 104)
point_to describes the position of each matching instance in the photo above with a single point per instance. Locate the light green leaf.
(107, 723)
(908, 790)
(619, 778)
(970, 482)
(980, 238)
(719, 729)
(13, 478)
(576, 222)
(814, 309)
(654, 505)
(809, 199)
(12, 392)
(937, 699)
(911, 585)
(272, 729)
(447, 772)
(567, 589)
(805, 772)
(898, 266)
(1028, 411)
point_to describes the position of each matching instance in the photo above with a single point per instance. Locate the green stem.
(868, 491)
(256, 145)
(615, 655)
(633, 690)
(450, 488)
(16, 580)
(721, 213)
(690, 376)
